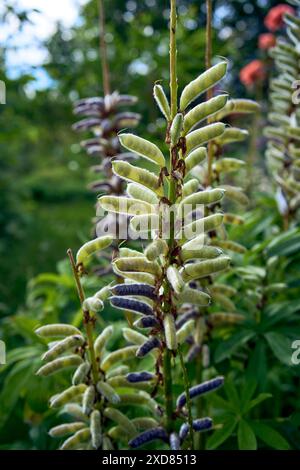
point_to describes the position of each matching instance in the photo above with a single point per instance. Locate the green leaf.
(256, 401)
(281, 347)
(246, 437)
(271, 437)
(285, 244)
(226, 348)
(221, 435)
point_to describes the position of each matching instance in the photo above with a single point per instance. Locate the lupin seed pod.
(176, 128)
(201, 84)
(64, 429)
(175, 279)
(148, 346)
(230, 135)
(162, 101)
(206, 252)
(201, 136)
(174, 441)
(114, 357)
(136, 264)
(199, 425)
(106, 443)
(88, 399)
(63, 346)
(200, 389)
(146, 322)
(120, 382)
(148, 436)
(108, 392)
(92, 247)
(210, 196)
(193, 296)
(133, 336)
(143, 148)
(203, 111)
(134, 174)
(75, 410)
(67, 395)
(144, 290)
(59, 364)
(190, 187)
(95, 428)
(226, 165)
(141, 193)
(124, 205)
(235, 194)
(220, 319)
(102, 339)
(135, 377)
(170, 331)
(92, 304)
(57, 330)
(132, 305)
(230, 245)
(194, 158)
(185, 331)
(202, 269)
(81, 373)
(237, 106)
(80, 436)
(121, 419)
(156, 249)
(205, 224)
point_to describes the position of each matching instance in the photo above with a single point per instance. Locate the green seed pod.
(230, 245)
(233, 219)
(232, 134)
(201, 136)
(103, 293)
(120, 381)
(195, 158)
(209, 196)
(190, 187)
(142, 147)
(121, 419)
(56, 330)
(121, 370)
(108, 392)
(91, 247)
(205, 252)
(176, 128)
(124, 205)
(220, 319)
(92, 304)
(170, 332)
(82, 435)
(156, 249)
(201, 84)
(102, 339)
(138, 265)
(202, 269)
(81, 373)
(193, 296)
(139, 398)
(123, 354)
(59, 364)
(95, 428)
(67, 395)
(75, 410)
(175, 279)
(137, 175)
(238, 106)
(224, 301)
(143, 278)
(88, 399)
(185, 331)
(145, 223)
(62, 346)
(133, 336)
(162, 101)
(228, 164)
(206, 224)
(195, 244)
(144, 423)
(107, 444)
(141, 193)
(64, 429)
(235, 194)
(222, 289)
(276, 287)
(203, 111)
(129, 253)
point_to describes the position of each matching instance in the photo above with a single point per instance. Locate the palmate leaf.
(280, 346)
(226, 348)
(246, 436)
(221, 435)
(271, 437)
(285, 244)
(256, 401)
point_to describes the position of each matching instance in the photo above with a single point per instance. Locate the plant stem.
(88, 320)
(209, 93)
(188, 401)
(173, 59)
(103, 49)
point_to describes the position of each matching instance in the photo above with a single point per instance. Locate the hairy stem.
(209, 93)
(103, 49)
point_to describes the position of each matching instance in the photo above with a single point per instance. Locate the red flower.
(274, 19)
(252, 73)
(267, 40)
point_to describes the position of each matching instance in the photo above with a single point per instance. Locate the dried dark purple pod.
(182, 319)
(131, 304)
(126, 100)
(135, 289)
(200, 389)
(135, 377)
(146, 322)
(202, 424)
(174, 441)
(85, 124)
(148, 346)
(148, 436)
(194, 351)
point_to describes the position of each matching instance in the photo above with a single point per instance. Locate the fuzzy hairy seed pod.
(139, 398)
(58, 364)
(222, 289)
(88, 399)
(202, 269)
(142, 278)
(190, 187)
(75, 410)
(135, 306)
(185, 331)
(103, 293)
(135, 377)
(144, 423)
(224, 301)
(82, 435)
(148, 436)
(230, 135)
(220, 319)
(129, 253)
(174, 441)
(230, 245)
(205, 224)
(195, 158)
(205, 356)
(92, 304)
(206, 252)
(135, 191)
(209, 196)
(120, 381)
(176, 128)
(146, 322)
(204, 110)
(123, 354)
(63, 429)
(145, 223)
(121, 370)
(133, 336)
(175, 279)
(170, 331)
(194, 297)
(184, 318)
(235, 194)
(63, 346)
(108, 392)
(107, 444)
(201, 136)
(148, 346)
(124, 205)
(121, 419)
(67, 395)
(202, 424)
(136, 264)
(162, 101)
(197, 390)
(102, 339)
(137, 175)
(91, 247)
(238, 106)
(156, 249)
(81, 373)
(202, 83)
(95, 428)
(227, 165)
(144, 290)
(56, 330)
